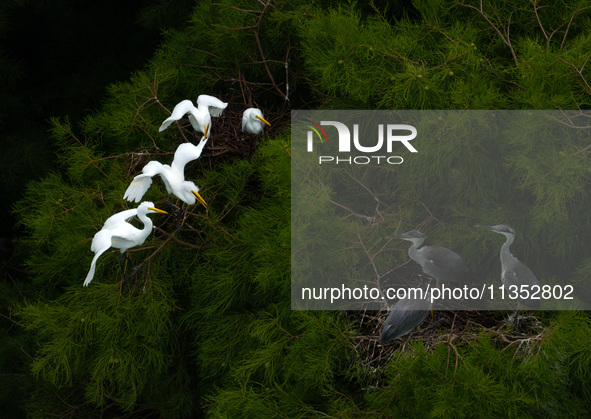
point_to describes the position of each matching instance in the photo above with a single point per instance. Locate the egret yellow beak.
(262, 119)
(205, 131)
(157, 210)
(199, 198)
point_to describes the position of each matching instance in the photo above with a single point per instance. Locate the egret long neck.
(147, 224)
(201, 145)
(181, 158)
(179, 163)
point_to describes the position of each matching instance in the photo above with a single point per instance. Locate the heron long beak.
(486, 227)
(199, 198)
(402, 236)
(263, 120)
(157, 210)
(206, 129)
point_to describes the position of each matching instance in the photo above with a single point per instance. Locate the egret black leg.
(136, 268)
(121, 266)
(128, 259)
(175, 212)
(170, 205)
(177, 216)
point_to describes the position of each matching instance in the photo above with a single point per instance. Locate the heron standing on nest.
(513, 271)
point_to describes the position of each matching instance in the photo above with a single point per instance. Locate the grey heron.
(405, 315)
(438, 262)
(513, 271)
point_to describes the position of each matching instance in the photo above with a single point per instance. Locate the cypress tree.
(204, 325)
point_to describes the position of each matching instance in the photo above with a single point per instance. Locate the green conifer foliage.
(204, 326)
(464, 59)
(116, 343)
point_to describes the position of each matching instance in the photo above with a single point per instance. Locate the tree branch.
(504, 37)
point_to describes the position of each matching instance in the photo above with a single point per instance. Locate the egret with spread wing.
(200, 116)
(120, 234)
(173, 176)
(253, 121)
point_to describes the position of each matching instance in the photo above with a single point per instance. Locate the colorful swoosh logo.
(313, 128)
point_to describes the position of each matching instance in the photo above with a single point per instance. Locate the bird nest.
(227, 140)
(451, 328)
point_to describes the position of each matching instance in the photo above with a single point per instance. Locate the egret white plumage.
(253, 121)
(173, 176)
(200, 116)
(120, 234)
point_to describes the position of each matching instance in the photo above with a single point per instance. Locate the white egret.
(200, 116)
(173, 176)
(120, 234)
(252, 121)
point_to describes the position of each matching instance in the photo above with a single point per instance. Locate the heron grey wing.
(519, 274)
(443, 264)
(406, 314)
(401, 322)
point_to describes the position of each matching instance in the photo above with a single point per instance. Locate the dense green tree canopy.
(204, 325)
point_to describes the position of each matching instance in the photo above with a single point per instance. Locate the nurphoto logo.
(389, 134)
